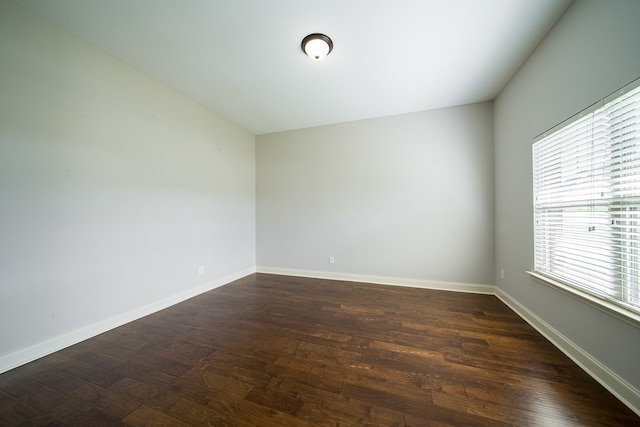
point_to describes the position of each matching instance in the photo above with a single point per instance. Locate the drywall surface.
(403, 196)
(114, 190)
(592, 51)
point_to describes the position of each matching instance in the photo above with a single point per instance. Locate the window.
(586, 178)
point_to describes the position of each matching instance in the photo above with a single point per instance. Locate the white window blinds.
(586, 177)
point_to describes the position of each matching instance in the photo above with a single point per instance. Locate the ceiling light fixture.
(317, 46)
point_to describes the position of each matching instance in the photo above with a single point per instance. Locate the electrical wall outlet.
(201, 270)
(502, 273)
(332, 260)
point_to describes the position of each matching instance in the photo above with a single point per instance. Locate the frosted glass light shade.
(317, 46)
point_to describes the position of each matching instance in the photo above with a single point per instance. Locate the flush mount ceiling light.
(317, 46)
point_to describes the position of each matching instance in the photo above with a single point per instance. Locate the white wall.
(407, 196)
(592, 51)
(113, 188)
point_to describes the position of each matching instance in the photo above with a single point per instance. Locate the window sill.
(619, 312)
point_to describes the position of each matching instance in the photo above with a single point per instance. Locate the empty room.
(338, 213)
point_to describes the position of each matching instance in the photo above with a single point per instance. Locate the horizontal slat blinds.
(586, 179)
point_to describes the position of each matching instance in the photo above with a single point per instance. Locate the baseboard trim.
(382, 280)
(29, 354)
(624, 391)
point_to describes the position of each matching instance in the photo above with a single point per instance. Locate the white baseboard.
(20, 357)
(624, 391)
(381, 280)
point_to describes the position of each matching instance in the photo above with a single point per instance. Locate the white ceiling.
(242, 58)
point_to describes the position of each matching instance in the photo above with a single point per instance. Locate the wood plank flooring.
(272, 350)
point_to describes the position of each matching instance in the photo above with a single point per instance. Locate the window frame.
(629, 315)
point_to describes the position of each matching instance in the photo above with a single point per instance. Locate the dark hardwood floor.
(271, 350)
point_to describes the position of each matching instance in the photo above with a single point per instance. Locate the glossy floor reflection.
(272, 350)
